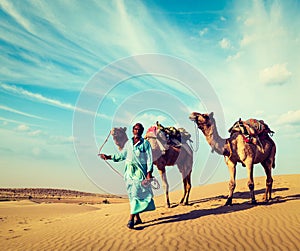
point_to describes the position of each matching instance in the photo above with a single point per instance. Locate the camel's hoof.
(184, 203)
(253, 202)
(265, 200)
(228, 202)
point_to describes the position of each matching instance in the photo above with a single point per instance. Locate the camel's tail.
(270, 160)
(272, 155)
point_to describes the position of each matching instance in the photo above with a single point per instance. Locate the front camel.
(169, 155)
(236, 149)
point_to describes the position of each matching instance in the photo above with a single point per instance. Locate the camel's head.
(119, 136)
(202, 119)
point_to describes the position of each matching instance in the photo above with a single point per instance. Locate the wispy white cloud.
(27, 129)
(36, 45)
(18, 17)
(275, 75)
(23, 128)
(6, 121)
(5, 108)
(35, 96)
(148, 119)
(225, 43)
(28, 133)
(42, 99)
(35, 133)
(203, 31)
(263, 51)
(234, 57)
(66, 50)
(247, 39)
(61, 140)
(289, 118)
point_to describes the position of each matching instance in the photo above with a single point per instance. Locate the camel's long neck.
(213, 138)
(120, 142)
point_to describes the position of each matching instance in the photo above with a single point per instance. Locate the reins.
(197, 139)
(99, 152)
(113, 168)
(153, 181)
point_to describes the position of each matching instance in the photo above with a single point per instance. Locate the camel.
(119, 136)
(180, 156)
(235, 149)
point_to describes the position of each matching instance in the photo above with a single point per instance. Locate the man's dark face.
(137, 131)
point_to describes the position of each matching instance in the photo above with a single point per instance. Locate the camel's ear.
(205, 115)
(211, 114)
(124, 129)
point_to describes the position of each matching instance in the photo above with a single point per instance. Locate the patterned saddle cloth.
(251, 128)
(174, 135)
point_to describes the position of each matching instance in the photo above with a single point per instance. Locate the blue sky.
(52, 52)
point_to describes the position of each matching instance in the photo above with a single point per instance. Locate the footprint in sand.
(13, 237)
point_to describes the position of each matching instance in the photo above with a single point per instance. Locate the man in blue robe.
(137, 154)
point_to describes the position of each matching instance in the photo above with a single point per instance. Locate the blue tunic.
(138, 161)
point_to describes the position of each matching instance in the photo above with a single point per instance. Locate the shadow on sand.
(194, 214)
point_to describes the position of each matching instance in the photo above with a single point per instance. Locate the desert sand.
(204, 225)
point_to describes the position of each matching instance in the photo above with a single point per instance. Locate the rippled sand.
(204, 225)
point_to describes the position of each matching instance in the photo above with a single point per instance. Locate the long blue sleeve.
(120, 156)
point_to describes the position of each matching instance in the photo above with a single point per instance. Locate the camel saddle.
(252, 130)
(174, 136)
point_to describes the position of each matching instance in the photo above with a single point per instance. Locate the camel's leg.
(249, 166)
(184, 189)
(269, 181)
(271, 158)
(232, 173)
(268, 164)
(187, 188)
(165, 185)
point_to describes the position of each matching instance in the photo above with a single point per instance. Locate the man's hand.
(104, 156)
(149, 176)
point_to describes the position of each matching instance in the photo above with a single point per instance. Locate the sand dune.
(204, 225)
